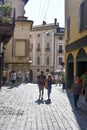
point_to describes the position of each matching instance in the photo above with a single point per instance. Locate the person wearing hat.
(41, 83)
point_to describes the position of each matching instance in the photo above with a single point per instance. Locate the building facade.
(7, 24)
(46, 48)
(75, 38)
(17, 50)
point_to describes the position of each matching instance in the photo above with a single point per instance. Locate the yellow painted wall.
(71, 9)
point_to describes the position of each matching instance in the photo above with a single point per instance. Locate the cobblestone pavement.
(20, 110)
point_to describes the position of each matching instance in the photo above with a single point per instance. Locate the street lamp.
(30, 72)
(30, 61)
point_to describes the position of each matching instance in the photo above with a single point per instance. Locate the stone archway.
(81, 62)
(70, 70)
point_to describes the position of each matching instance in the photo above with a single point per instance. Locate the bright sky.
(47, 10)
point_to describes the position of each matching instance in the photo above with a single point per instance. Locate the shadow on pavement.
(38, 101)
(81, 112)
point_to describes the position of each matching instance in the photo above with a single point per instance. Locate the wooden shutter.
(85, 14)
(82, 16)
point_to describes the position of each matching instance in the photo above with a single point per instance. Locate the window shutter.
(68, 28)
(85, 14)
(82, 16)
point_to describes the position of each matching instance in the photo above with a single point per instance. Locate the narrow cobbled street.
(21, 110)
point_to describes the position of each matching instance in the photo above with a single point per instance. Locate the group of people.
(43, 82)
(15, 77)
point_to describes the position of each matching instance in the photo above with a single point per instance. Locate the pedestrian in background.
(48, 83)
(13, 77)
(84, 79)
(63, 86)
(76, 89)
(4, 76)
(41, 83)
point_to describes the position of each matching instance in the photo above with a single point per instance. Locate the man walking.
(76, 89)
(41, 83)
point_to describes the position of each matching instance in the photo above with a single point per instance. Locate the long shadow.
(12, 86)
(81, 112)
(38, 101)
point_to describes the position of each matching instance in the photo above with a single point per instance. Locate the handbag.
(46, 86)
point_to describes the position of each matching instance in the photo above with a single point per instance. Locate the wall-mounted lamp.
(30, 61)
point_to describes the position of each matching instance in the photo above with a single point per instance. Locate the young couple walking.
(43, 81)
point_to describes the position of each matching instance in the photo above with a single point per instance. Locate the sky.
(45, 10)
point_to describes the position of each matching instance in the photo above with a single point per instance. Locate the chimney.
(55, 21)
(44, 22)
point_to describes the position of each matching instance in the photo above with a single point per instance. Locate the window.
(48, 47)
(60, 48)
(47, 61)
(68, 28)
(48, 34)
(60, 60)
(47, 70)
(82, 16)
(38, 35)
(38, 47)
(38, 70)
(38, 60)
(60, 38)
(22, 45)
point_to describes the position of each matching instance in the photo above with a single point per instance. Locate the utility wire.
(46, 9)
(44, 5)
(40, 6)
(43, 8)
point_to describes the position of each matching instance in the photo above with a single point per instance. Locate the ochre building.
(75, 39)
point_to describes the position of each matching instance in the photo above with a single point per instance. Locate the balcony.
(7, 22)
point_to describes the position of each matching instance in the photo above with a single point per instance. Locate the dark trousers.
(76, 98)
(49, 92)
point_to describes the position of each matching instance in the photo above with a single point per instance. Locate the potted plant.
(5, 19)
(6, 10)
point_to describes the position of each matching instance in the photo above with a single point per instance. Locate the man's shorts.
(41, 87)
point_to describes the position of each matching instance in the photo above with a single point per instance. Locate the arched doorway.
(81, 62)
(69, 71)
